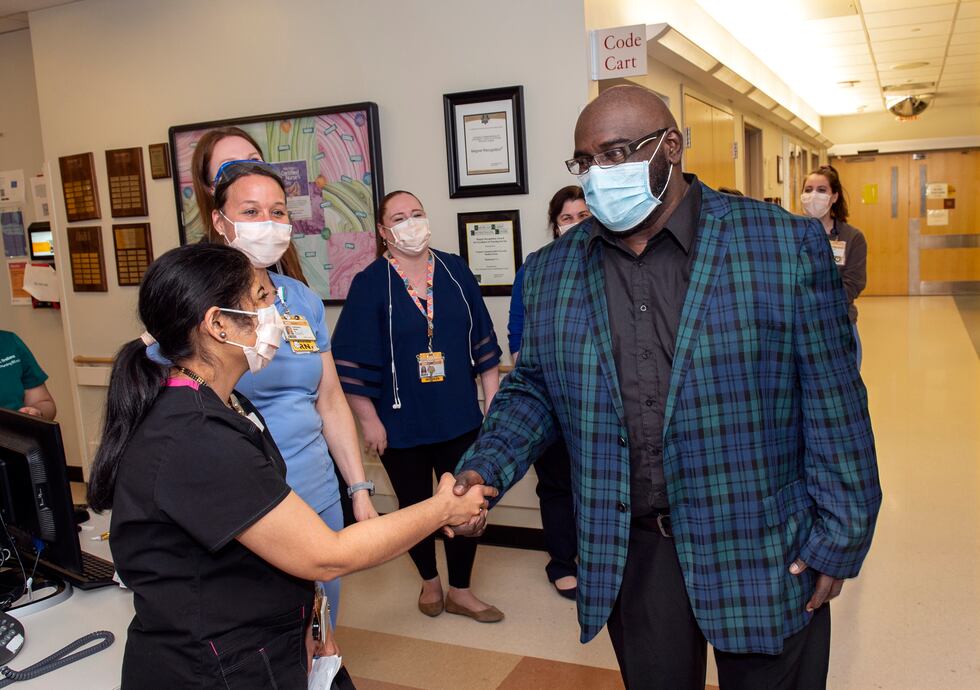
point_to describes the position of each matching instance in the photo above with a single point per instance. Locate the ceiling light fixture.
(911, 65)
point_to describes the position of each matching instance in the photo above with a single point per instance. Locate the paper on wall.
(39, 190)
(15, 271)
(11, 187)
(41, 282)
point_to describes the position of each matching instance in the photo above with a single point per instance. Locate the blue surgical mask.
(620, 196)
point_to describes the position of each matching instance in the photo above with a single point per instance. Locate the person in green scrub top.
(22, 379)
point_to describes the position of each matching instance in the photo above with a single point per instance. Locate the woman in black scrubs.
(218, 551)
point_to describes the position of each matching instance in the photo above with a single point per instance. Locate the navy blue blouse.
(363, 346)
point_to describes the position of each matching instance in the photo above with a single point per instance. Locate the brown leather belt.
(655, 522)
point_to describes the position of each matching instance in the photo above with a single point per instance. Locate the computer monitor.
(41, 241)
(35, 495)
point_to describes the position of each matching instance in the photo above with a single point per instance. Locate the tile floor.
(910, 621)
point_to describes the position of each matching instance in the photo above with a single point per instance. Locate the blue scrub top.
(363, 347)
(515, 321)
(285, 392)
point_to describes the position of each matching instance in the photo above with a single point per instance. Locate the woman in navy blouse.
(412, 338)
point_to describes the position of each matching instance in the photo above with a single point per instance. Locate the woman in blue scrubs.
(413, 336)
(299, 393)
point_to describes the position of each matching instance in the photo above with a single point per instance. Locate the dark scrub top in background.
(194, 476)
(19, 371)
(430, 412)
(854, 272)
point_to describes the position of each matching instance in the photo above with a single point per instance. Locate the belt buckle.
(664, 529)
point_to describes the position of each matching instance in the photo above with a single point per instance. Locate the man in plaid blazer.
(762, 435)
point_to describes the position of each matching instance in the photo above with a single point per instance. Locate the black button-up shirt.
(645, 295)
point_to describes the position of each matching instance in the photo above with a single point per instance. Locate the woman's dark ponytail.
(134, 385)
(176, 293)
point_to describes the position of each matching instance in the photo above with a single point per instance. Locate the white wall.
(118, 73)
(20, 149)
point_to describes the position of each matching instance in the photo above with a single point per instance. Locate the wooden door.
(944, 189)
(698, 156)
(723, 140)
(877, 193)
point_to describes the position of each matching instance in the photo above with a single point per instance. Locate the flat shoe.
(488, 615)
(567, 593)
(431, 609)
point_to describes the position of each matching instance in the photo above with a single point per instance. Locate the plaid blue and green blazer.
(768, 448)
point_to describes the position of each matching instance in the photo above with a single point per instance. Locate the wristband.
(360, 486)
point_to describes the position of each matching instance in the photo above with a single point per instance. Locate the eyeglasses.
(240, 166)
(611, 157)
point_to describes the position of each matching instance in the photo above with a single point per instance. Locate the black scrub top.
(209, 612)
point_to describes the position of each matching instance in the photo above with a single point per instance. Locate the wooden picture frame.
(79, 187)
(159, 161)
(87, 259)
(127, 182)
(330, 160)
(485, 142)
(133, 246)
(488, 241)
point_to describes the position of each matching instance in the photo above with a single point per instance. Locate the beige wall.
(116, 73)
(936, 122)
(20, 149)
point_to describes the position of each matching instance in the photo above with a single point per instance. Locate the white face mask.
(263, 242)
(411, 235)
(268, 335)
(815, 204)
(562, 229)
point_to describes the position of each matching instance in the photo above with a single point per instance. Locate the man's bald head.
(622, 113)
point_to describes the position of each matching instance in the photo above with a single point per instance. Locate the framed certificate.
(485, 142)
(490, 243)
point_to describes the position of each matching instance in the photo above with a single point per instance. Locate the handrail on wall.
(83, 361)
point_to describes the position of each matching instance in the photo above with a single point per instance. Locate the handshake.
(467, 500)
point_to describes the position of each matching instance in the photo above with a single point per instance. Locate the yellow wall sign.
(869, 194)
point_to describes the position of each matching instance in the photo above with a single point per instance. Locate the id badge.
(838, 247)
(432, 367)
(299, 335)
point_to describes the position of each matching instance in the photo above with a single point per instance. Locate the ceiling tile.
(843, 38)
(885, 60)
(870, 6)
(964, 49)
(968, 39)
(908, 44)
(918, 15)
(969, 10)
(892, 33)
(962, 70)
(971, 24)
(834, 25)
(963, 60)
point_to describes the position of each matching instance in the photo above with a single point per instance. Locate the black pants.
(659, 645)
(557, 513)
(410, 471)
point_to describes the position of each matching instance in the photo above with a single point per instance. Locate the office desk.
(108, 608)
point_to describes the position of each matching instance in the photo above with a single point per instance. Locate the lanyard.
(429, 310)
(281, 294)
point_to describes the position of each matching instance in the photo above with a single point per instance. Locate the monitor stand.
(46, 591)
